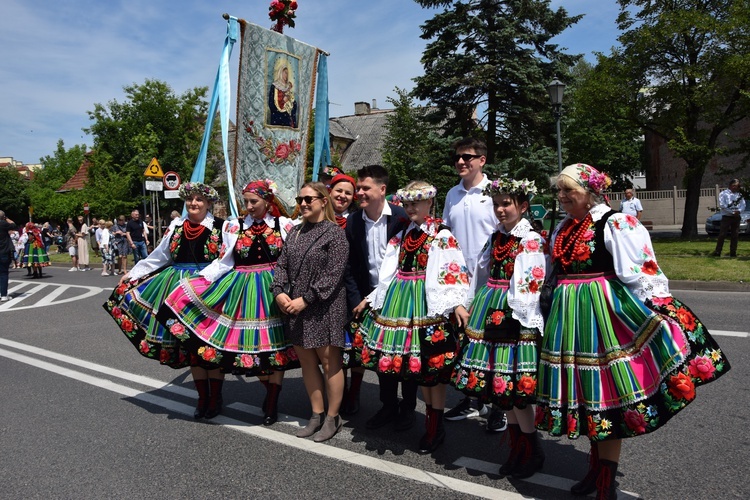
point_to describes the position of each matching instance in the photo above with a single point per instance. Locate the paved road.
(83, 415)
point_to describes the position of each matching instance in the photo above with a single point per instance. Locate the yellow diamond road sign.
(154, 169)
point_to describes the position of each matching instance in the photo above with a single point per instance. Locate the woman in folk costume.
(498, 357)
(620, 355)
(34, 255)
(188, 246)
(226, 315)
(406, 333)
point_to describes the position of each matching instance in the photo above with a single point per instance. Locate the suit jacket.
(357, 276)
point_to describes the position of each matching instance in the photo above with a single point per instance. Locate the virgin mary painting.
(282, 105)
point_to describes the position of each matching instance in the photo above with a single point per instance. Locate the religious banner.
(275, 96)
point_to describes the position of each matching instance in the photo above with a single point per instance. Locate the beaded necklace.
(571, 234)
(501, 252)
(412, 243)
(258, 228)
(191, 230)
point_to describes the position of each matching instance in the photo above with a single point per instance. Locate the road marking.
(18, 300)
(325, 450)
(725, 333)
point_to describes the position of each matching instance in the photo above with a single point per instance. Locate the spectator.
(631, 205)
(82, 240)
(731, 204)
(71, 243)
(137, 235)
(151, 241)
(47, 236)
(120, 245)
(469, 214)
(6, 253)
(105, 247)
(93, 228)
(15, 236)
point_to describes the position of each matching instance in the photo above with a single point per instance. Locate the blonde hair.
(108, 224)
(322, 191)
(566, 182)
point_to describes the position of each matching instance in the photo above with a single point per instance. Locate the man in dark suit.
(368, 231)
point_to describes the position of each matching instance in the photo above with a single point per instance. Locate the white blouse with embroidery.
(446, 276)
(161, 256)
(230, 234)
(529, 270)
(629, 243)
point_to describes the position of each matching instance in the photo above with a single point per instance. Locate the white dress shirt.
(376, 233)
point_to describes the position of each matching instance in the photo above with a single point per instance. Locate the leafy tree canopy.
(13, 199)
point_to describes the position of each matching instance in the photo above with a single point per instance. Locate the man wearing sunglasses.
(472, 220)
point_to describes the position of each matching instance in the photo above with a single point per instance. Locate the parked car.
(713, 223)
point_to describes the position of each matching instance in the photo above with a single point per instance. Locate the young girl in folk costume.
(498, 358)
(188, 246)
(34, 255)
(620, 355)
(226, 315)
(406, 333)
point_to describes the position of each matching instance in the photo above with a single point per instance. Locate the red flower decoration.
(681, 387)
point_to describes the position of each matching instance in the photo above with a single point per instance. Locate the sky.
(58, 58)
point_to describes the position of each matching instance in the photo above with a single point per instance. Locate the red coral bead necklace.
(567, 239)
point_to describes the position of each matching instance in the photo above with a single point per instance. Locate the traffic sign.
(538, 211)
(171, 180)
(154, 170)
(85, 208)
(171, 194)
(154, 186)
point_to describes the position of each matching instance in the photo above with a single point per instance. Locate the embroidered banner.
(275, 95)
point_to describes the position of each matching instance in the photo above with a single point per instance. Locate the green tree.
(597, 128)
(151, 122)
(13, 198)
(57, 169)
(414, 148)
(487, 64)
(687, 73)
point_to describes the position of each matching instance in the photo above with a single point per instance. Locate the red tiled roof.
(79, 179)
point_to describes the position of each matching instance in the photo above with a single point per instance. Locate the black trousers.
(389, 392)
(729, 224)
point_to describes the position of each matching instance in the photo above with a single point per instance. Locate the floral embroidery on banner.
(276, 152)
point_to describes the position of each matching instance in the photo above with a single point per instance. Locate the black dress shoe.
(384, 416)
(405, 420)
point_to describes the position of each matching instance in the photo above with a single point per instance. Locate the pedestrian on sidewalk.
(631, 205)
(731, 205)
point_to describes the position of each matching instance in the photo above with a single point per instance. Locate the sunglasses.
(307, 199)
(466, 157)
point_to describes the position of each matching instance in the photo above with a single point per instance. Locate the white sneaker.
(73, 269)
(4, 298)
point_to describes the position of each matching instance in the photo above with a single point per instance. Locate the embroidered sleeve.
(481, 272)
(635, 263)
(225, 263)
(446, 276)
(388, 269)
(528, 277)
(158, 258)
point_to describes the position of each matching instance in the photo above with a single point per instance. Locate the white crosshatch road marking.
(34, 294)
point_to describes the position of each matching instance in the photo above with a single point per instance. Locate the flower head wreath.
(588, 177)
(417, 194)
(190, 188)
(506, 185)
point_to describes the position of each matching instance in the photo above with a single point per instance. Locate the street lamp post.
(556, 88)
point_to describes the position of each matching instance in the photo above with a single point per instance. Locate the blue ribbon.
(220, 97)
(322, 152)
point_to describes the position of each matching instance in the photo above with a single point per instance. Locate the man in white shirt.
(368, 231)
(472, 220)
(631, 205)
(731, 204)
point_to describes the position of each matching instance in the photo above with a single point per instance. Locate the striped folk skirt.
(497, 365)
(233, 323)
(400, 340)
(612, 366)
(134, 309)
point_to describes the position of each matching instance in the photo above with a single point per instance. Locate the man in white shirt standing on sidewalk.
(631, 205)
(472, 220)
(731, 204)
